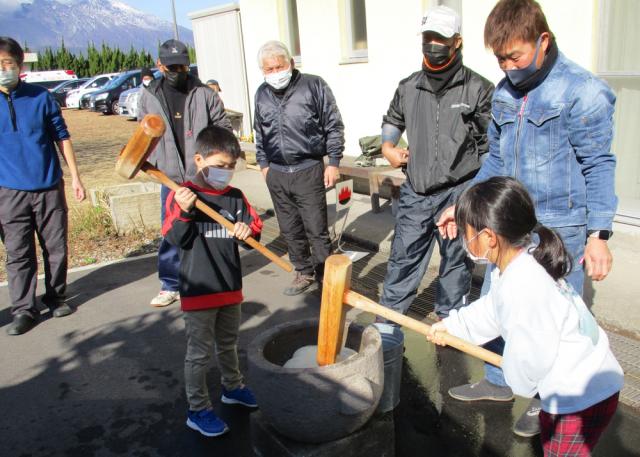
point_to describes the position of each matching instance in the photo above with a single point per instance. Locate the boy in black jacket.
(210, 274)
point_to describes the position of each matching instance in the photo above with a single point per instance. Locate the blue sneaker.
(206, 422)
(240, 396)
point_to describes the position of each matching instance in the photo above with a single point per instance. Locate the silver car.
(128, 103)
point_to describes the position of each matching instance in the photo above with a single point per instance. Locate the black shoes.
(22, 323)
(25, 321)
(61, 310)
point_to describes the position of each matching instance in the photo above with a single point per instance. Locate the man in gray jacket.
(445, 109)
(186, 106)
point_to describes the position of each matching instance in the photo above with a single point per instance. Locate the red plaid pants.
(576, 434)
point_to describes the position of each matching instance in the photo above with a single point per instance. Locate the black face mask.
(176, 79)
(437, 54)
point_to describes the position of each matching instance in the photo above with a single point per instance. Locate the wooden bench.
(392, 178)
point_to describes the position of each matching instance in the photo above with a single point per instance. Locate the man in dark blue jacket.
(297, 123)
(32, 199)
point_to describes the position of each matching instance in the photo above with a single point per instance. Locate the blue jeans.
(574, 239)
(168, 259)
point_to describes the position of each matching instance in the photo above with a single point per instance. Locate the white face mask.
(279, 80)
(478, 260)
(218, 178)
(146, 82)
(9, 78)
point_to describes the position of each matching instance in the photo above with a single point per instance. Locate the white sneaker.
(165, 298)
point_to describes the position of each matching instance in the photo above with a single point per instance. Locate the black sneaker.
(300, 284)
(482, 390)
(528, 424)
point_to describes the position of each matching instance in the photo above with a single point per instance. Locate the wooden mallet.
(336, 294)
(133, 159)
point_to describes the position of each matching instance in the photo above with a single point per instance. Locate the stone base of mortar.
(376, 438)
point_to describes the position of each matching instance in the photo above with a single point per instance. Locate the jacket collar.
(423, 83)
(192, 83)
(557, 71)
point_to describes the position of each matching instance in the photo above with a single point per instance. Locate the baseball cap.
(441, 20)
(173, 52)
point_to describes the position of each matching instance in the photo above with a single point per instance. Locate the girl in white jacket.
(553, 345)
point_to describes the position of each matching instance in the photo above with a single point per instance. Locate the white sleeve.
(533, 338)
(475, 323)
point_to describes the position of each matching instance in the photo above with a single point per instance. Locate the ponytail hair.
(503, 205)
(551, 253)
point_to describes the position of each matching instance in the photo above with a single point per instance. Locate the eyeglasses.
(8, 64)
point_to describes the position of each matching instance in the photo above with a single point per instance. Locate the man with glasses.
(186, 106)
(32, 199)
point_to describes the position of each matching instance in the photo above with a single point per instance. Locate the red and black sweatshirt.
(210, 271)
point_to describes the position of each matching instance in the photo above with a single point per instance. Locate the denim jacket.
(556, 140)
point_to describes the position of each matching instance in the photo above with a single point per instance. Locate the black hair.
(13, 48)
(503, 205)
(146, 71)
(215, 140)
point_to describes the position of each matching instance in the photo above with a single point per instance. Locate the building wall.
(363, 90)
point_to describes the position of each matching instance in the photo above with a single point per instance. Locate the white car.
(48, 79)
(94, 84)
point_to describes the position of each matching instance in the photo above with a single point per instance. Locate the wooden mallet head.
(140, 146)
(333, 310)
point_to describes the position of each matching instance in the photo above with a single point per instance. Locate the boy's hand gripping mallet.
(336, 294)
(133, 159)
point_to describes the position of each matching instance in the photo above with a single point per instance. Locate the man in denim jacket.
(552, 130)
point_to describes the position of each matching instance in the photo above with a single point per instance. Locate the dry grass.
(97, 140)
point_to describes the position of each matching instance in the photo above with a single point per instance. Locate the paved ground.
(107, 381)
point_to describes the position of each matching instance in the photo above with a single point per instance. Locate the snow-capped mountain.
(42, 23)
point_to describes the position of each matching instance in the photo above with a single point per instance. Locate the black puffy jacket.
(299, 124)
(447, 132)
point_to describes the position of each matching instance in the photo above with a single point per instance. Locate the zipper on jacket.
(12, 112)
(519, 129)
(284, 154)
(437, 126)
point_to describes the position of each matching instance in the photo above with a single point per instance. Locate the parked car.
(60, 91)
(48, 79)
(106, 100)
(95, 83)
(128, 102)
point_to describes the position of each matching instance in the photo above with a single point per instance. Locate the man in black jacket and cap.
(445, 109)
(297, 123)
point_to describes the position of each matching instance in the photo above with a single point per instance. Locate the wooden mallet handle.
(336, 294)
(133, 158)
(213, 214)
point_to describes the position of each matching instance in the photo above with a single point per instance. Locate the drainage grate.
(368, 277)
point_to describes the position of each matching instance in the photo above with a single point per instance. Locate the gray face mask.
(9, 78)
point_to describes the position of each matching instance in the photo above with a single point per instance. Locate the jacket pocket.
(551, 167)
(315, 138)
(504, 116)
